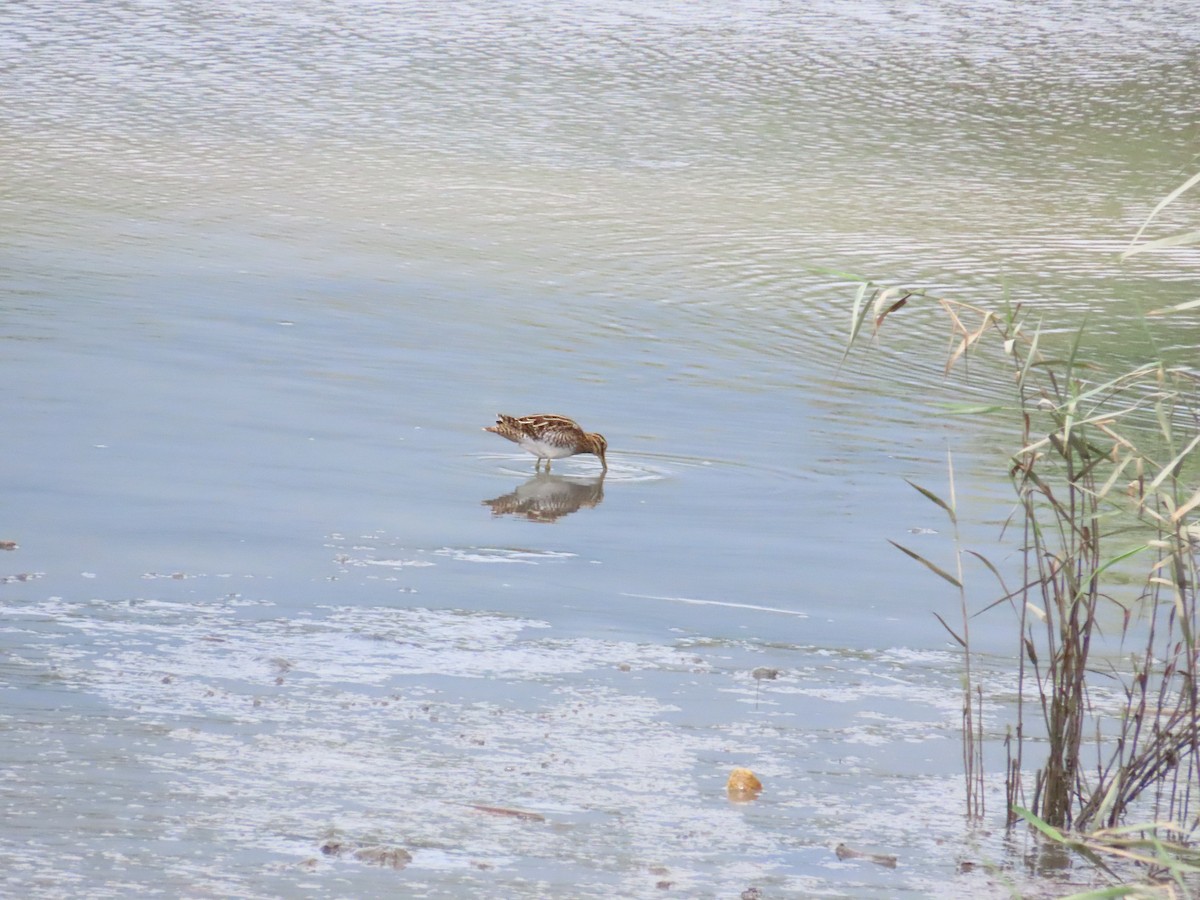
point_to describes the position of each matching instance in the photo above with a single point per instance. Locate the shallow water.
(269, 271)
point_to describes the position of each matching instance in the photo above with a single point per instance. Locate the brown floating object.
(505, 811)
(743, 785)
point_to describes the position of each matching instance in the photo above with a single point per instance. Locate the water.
(268, 271)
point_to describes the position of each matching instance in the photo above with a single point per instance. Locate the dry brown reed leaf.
(506, 811)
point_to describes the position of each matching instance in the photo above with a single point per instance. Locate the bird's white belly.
(543, 450)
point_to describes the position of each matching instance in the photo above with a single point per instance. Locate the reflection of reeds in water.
(545, 498)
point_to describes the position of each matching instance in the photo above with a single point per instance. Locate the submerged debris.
(376, 854)
(21, 576)
(396, 857)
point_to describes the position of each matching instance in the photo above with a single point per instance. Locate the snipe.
(550, 437)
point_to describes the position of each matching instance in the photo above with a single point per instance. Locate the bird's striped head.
(597, 445)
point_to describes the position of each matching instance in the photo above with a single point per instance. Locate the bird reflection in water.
(546, 498)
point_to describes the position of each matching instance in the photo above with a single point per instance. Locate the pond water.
(278, 600)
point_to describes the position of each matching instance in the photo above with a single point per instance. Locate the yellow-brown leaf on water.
(743, 785)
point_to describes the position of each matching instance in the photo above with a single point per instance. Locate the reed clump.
(1104, 471)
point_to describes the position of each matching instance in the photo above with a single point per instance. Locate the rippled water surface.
(279, 607)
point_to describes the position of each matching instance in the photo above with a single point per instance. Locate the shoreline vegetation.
(1104, 471)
